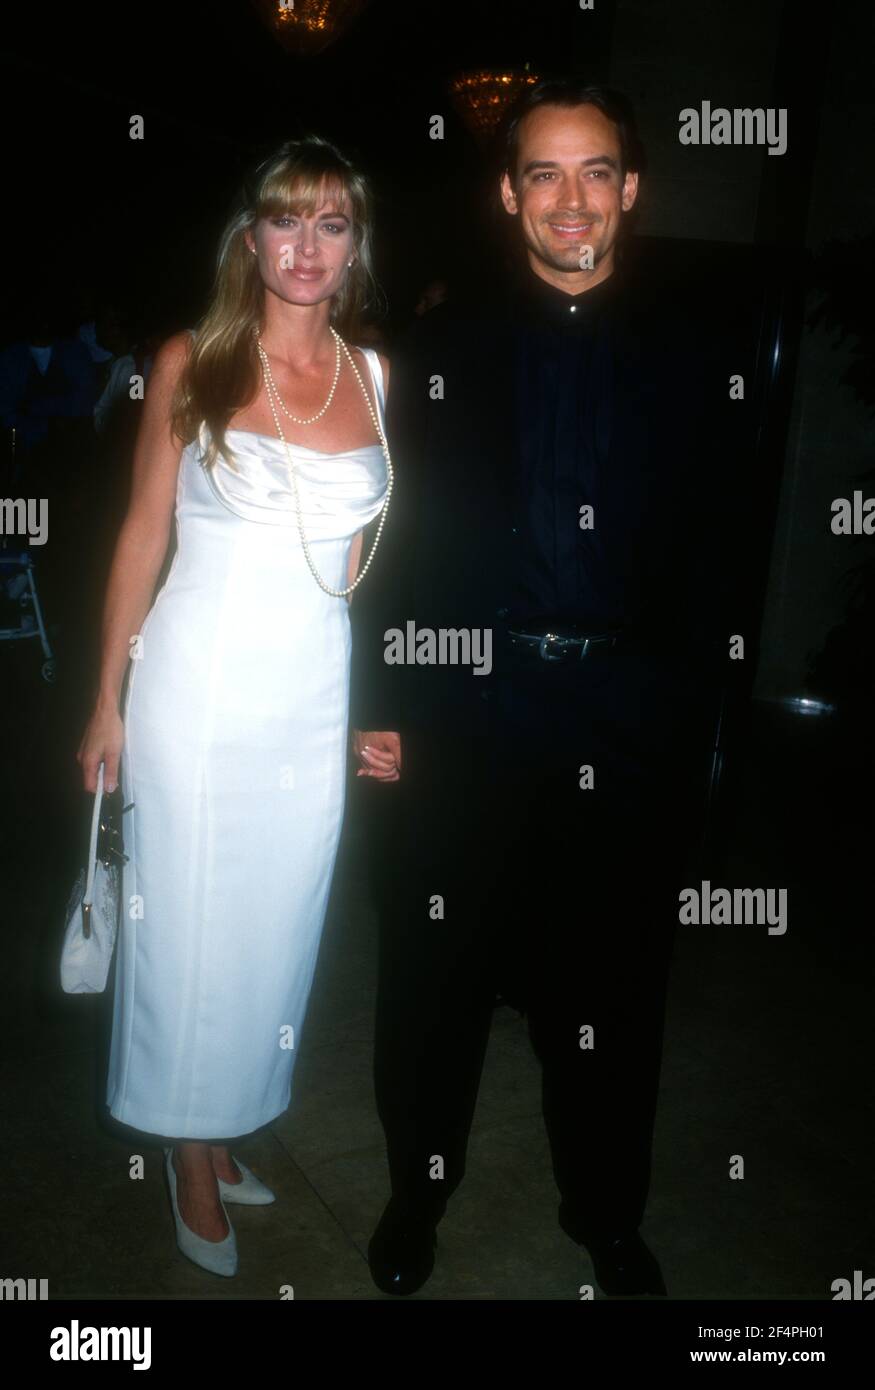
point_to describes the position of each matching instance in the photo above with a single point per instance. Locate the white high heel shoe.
(216, 1256)
(251, 1192)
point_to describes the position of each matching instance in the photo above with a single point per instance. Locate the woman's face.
(304, 259)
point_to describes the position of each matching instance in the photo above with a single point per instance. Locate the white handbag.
(93, 909)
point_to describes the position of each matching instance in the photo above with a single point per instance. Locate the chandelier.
(306, 27)
(482, 97)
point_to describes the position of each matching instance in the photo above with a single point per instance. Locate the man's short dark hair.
(570, 92)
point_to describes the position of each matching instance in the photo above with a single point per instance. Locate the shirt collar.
(546, 304)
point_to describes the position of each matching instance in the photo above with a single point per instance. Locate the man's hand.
(380, 754)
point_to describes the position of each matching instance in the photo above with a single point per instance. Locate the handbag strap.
(92, 844)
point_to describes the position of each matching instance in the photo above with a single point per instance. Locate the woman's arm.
(137, 560)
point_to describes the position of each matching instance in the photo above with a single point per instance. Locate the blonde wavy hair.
(222, 372)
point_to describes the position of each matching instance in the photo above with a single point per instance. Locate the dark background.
(142, 217)
(216, 90)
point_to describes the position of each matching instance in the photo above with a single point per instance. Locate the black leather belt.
(563, 646)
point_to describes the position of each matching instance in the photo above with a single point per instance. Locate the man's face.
(569, 193)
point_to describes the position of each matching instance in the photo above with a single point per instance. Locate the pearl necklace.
(265, 362)
(270, 389)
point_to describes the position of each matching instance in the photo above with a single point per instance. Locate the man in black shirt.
(553, 493)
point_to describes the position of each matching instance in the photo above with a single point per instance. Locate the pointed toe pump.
(216, 1256)
(251, 1192)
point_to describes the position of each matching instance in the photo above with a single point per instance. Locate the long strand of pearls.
(265, 362)
(270, 389)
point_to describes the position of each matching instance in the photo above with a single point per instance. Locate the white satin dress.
(235, 759)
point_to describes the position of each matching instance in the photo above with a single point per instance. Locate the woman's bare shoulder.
(173, 352)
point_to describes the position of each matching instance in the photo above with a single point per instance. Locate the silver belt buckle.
(542, 646)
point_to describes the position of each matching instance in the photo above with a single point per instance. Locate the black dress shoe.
(401, 1252)
(622, 1262)
(624, 1265)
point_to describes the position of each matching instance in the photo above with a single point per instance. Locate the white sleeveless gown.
(235, 759)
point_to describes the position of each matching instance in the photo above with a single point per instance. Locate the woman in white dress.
(263, 434)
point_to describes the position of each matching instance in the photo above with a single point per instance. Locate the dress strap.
(376, 370)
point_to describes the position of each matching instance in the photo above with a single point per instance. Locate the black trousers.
(500, 873)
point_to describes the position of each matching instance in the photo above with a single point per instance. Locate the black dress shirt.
(563, 572)
(542, 411)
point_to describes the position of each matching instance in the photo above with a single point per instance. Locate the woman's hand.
(380, 753)
(102, 742)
